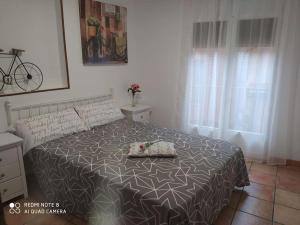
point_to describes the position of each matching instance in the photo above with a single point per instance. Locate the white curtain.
(239, 69)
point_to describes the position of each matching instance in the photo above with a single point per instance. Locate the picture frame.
(54, 76)
(103, 29)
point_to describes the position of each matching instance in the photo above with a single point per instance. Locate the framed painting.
(103, 33)
(33, 58)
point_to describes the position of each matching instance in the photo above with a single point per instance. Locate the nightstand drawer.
(12, 172)
(11, 187)
(9, 172)
(8, 156)
(142, 117)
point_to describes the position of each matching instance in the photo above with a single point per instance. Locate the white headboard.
(14, 113)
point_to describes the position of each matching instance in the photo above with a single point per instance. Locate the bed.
(91, 176)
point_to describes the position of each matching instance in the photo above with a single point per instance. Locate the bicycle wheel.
(28, 77)
(1, 80)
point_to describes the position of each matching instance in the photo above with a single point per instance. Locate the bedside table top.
(136, 109)
(7, 139)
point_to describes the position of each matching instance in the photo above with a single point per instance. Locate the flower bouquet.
(134, 88)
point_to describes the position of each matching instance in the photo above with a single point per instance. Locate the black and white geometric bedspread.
(90, 175)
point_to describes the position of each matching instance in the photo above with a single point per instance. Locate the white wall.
(158, 39)
(84, 80)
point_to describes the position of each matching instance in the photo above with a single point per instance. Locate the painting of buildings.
(103, 32)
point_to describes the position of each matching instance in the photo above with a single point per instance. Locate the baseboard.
(290, 162)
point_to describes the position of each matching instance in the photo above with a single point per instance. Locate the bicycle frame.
(14, 57)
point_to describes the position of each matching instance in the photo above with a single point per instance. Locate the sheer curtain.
(234, 81)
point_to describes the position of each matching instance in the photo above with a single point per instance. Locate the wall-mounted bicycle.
(26, 76)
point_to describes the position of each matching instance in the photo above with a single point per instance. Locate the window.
(232, 88)
(210, 34)
(254, 63)
(209, 64)
(256, 32)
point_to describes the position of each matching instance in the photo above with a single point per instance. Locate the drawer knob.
(0, 160)
(2, 175)
(4, 190)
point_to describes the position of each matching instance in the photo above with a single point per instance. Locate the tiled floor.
(272, 198)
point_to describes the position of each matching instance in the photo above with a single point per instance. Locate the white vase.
(133, 101)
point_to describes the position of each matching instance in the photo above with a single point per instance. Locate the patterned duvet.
(90, 174)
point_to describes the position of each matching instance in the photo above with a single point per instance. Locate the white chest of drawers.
(12, 173)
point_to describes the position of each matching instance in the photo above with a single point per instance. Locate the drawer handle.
(4, 190)
(2, 176)
(0, 160)
(142, 116)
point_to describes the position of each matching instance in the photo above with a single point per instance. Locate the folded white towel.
(157, 149)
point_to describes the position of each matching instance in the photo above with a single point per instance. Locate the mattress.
(90, 175)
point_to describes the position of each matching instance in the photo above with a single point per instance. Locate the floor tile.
(295, 168)
(50, 220)
(286, 216)
(37, 196)
(235, 197)
(262, 178)
(288, 183)
(242, 218)
(78, 221)
(17, 219)
(225, 216)
(257, 207)
(260, 191)
(264, 168)
(287, 198)
(288, 171)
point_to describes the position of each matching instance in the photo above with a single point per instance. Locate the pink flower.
(142, 147)
(134, 88)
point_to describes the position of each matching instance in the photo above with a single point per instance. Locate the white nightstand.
(139, 113)
(12, 173)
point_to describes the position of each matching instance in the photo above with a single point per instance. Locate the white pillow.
(40, 129)
(99, 113)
